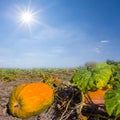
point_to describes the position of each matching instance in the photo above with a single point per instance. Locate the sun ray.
(27, 16)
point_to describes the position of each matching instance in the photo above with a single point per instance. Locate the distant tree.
(110, 62)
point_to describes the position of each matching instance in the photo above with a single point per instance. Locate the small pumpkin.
(30, 99)
(96, 97)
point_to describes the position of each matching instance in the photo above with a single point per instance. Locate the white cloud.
(104, 41)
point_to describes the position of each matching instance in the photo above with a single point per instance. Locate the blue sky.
(65, 33)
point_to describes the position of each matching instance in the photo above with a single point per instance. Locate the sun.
(27, 17)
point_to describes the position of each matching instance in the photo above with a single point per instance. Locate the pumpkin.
(96, 97)
(30, 99)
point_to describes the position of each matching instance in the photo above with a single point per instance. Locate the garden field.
(89, 92)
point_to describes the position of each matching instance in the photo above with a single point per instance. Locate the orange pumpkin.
(30, 99)
(96, 97)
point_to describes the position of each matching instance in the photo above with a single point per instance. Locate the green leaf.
(81, 79)
(92, 79)
(102, 75)
(112, 102)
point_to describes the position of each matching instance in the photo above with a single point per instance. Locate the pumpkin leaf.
(82, 79)
(112, 102)
(92, 78)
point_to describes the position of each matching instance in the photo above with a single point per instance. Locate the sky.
(62, 33)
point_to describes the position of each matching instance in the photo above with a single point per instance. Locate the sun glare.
(26, 16)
